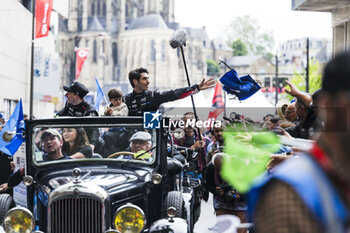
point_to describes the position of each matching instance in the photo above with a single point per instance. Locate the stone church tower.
(122, 35)
(97, 25)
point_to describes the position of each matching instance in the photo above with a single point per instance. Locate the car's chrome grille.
(76, 215)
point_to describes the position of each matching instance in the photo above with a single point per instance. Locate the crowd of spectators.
(298, 118)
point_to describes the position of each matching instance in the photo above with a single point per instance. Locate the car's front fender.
(174, 225)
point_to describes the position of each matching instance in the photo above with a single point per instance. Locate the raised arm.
(295, 92)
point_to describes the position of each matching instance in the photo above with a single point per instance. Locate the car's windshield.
(66, 143)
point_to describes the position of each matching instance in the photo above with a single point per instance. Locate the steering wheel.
(117, 154)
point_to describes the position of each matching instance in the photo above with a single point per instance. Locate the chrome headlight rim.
(22, 209)
(130, 205)
(156, 178)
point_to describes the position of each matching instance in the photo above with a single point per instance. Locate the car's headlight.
(19, 219)
(129, 218)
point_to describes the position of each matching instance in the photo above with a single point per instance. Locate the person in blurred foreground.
(311, 192)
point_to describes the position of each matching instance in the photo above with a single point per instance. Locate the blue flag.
(99, 96)
(242, 87)
(15, 124)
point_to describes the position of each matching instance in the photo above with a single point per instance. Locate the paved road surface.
(207, 218)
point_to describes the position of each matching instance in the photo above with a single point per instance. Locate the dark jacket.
(151, 100)
(306, 129)
(82, 109)
(5, 168)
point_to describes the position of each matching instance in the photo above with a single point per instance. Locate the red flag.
(42, 17)
(81, 55)
(217, 102)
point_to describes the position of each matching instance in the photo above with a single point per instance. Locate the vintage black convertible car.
(115, 190)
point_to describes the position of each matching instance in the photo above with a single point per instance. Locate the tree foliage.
(248, 31)
(213, 69)
(239, 48)
(315, 81)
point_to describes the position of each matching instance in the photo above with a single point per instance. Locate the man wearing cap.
(52, 141)
(290, 113)
(76, 105)
(141, 141)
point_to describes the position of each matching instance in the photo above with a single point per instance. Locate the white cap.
(141, 135)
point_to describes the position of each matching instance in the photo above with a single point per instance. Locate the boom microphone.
(178, 39)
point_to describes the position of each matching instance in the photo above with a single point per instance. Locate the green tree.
(248, 31)
(239, 48)
(314, 78)
(213, 69)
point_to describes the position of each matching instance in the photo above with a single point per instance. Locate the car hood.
(110, 179)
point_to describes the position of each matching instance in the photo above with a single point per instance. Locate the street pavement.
(207, 219)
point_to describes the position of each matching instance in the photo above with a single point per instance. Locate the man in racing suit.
(76, 105)
(142, 99)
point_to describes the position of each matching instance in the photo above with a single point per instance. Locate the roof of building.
(149, 21)
(173, 25)
(219, 44)
(95, 25)
(243, 60)
(62, 24)
(199, 34)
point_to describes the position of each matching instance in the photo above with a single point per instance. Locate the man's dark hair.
(336, 75)
(136, 74)
(315, 98)
(274, 120)
(268, 115)
(114, 93)
(301, 103)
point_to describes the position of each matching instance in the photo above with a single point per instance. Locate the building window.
(115, 8)
(9, 107)
(99, 7)
(204, 43)
(93, 8)
(103, 46)
(115, 53)
(163, 50)
(95, 51)
(153, 51)
(267, 82)
(104, 9)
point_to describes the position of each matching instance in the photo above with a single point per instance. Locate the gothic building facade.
(126, 34)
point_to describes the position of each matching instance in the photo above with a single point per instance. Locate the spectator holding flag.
(116, 107)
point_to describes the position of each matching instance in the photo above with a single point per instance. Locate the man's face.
(71, 97)
(300, 110)
(272, 125)
(143, 83)
(290, 113)
(137, 145)
(188, 130)
(218, 134)
(52, 144)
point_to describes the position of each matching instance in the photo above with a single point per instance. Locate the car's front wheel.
(175, 199)
(6, 203)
